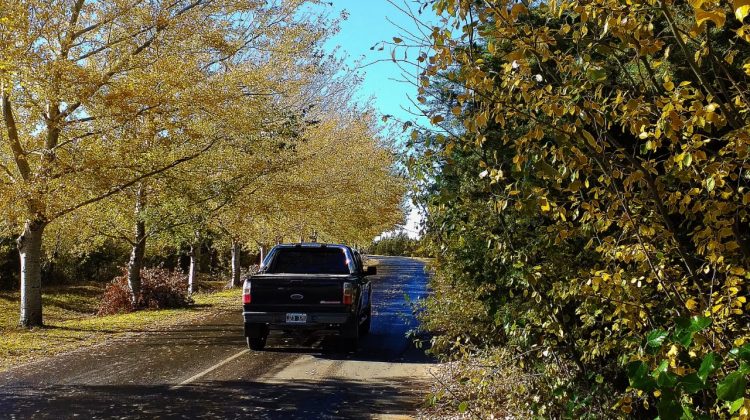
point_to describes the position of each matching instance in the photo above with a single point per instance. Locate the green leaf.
(699, 323)
(663, 366)
(691, 383)
(736, 405)
(693, 324)
(666, 380)
(731, 387)
(709, 364)
(687, 413)
(740, 353)
(669, 408)
(685, 328)
(463, 407)
(638, 376)
(597, 74)
(683, 338)
(655, 338)
(636, 369)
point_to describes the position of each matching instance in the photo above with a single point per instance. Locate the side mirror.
(371, 271)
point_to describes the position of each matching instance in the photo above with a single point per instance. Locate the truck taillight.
(348, 294)
(246, 292)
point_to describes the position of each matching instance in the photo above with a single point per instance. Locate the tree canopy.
(162, 119)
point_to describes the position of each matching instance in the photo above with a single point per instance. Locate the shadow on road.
(131, 378)
(331, 399)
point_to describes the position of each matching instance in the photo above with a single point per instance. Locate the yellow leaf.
(737, 271)
(437, 119)
(397, 40)
(741, 8)
(718, 17)
(517, 9)
(589, 138)
(481, 120)
(691, 304)
(544, 204)
(669, 85)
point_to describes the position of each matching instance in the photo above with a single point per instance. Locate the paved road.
(206, 371)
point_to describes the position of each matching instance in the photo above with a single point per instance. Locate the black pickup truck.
(308, 286)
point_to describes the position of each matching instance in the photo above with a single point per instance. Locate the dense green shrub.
(588, 201)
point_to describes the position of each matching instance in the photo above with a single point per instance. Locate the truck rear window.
(309, 261)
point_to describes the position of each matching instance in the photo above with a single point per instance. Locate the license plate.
(296, 318)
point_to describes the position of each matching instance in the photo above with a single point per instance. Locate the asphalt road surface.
(206, 371)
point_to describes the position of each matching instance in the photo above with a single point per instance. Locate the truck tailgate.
(297, 291)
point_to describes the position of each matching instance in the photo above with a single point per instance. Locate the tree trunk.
(262, 255)
(138, 249)
(195, 255)
(30, 251)
(236, 251)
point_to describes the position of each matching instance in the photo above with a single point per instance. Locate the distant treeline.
(399, 245)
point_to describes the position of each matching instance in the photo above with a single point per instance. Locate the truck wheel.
(257, 334)
(364, 328)
(350, 337)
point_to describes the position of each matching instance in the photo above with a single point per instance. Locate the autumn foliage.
(166, 125)
(588, 193)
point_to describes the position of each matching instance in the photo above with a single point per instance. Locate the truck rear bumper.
(319, 320)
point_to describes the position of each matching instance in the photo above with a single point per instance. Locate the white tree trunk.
(30, 251)
(262, 255)
(138, 249)
(195, 254)
(236, 253)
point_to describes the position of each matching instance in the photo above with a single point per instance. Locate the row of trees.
(159, 122)
(588, 203)
(397, 244)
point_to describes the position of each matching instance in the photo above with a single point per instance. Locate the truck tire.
(350, 336)
(257, 334)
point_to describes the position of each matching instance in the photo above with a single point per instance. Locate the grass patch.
(70, 321)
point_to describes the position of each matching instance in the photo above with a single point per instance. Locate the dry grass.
(70, 321)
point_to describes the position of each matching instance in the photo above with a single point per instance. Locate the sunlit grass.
(71, 323)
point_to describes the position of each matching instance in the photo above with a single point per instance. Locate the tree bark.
(30, 251)
(138, 249)
(236, 251)
(195, 255)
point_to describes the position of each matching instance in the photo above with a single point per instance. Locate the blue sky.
(368, 25)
